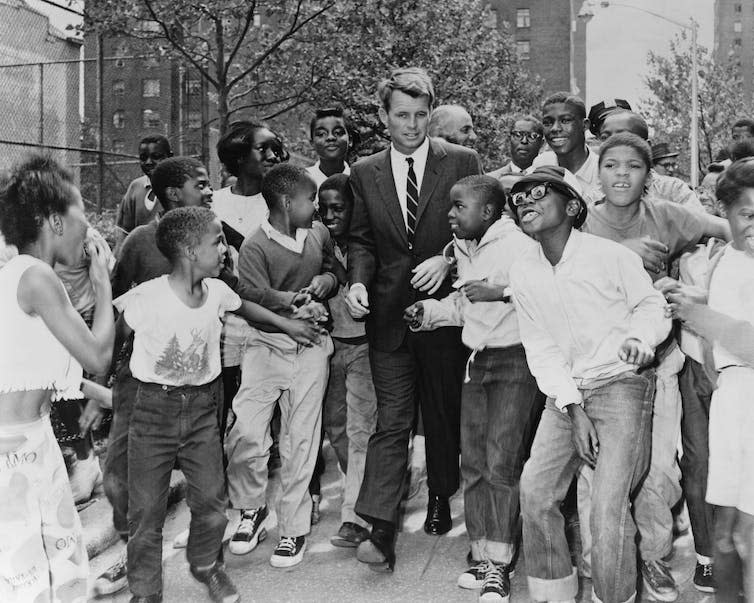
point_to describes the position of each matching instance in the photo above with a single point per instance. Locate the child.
(177, 182)
(176, 359)
(727, 324)
(140, 204)
(500, 402)
(329, 136)
(624, 216)
(350, 406)
(589, 320)
(565, 124)
(281, 266)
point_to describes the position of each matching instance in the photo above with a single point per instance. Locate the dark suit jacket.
(379, 255)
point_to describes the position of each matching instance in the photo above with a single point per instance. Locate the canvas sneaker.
(497, 584)
(113, 579)
(250, 531)
(289, 551)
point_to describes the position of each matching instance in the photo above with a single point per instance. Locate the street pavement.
(427, 567)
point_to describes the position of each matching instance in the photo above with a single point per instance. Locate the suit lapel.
(432, 172)
(386, 186)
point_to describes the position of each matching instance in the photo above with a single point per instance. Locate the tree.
(668, 111)
(239, 47)
(472, 62)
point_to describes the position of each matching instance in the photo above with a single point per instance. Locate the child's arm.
(482, 291)
(430, 314)
(305, 332)
(716, 227)
(125, 268)
(325, 284)
(254, 282)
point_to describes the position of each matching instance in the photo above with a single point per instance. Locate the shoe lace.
(286, 545)
(248, 519)
(493, 577)
(707, 570)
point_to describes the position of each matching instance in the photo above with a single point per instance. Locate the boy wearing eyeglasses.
(589, 319)
(500, 402)
(526, 138)
(565, 124)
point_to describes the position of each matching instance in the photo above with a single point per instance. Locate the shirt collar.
(346, 168)
(296, 244)
(571, 247)
(419, 155)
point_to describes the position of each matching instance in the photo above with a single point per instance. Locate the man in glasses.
(526, 138)
(565, 125)
(454, 124)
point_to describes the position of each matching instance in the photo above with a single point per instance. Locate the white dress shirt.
(574, 316)
(319, 177)
(296, 245)
(400, 171)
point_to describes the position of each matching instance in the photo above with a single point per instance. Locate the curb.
(97, 517)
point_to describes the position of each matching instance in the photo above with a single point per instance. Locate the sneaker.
(497, 584)
(221, 589)
(316, 498)
(658, 581)
(289, 551)
(250, 532)
(703, 578)
(473, 578)
(114, 579)
(350, 535)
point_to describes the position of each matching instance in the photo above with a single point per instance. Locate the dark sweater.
(271, 275)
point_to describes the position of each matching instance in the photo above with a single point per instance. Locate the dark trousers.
(696, 394)
(428, 366)
(169, 424)
(115, 478)
(500, 409)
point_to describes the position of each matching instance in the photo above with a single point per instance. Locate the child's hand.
(653, 253)
(414, 315)
(319, 287)
(300, 299)
(303, 331)
(99, 273)
(91, 417)
(482, 291)
(636, 352)
(583, 435)
(314, 310)
(681, 305)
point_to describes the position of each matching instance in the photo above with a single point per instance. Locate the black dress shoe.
(378, 551)
(438, 520)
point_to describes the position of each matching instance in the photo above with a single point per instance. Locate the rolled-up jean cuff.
(596, 599)
(557, 589)
(499, 552)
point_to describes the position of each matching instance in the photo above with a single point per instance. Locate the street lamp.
(587, 13)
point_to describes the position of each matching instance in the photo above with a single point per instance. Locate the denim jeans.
(620, 410)
(500, 408)
(349, 417)
(115, 479)
(696, 394)
(169, 424)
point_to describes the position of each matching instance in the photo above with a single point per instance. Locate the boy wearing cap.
(589, 319)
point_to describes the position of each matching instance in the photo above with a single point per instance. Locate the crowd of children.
(594, 345)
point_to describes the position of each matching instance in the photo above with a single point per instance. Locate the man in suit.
(398, 231)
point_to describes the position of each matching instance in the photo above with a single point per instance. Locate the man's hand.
(319, 287)
(91, 417)
(482, 291)
(301, 298)
(429, 275)
(653, 253)
(636, 352)
(414, 315)
(583, 435)
(357, 302)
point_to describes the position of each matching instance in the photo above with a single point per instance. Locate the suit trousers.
(427, 366)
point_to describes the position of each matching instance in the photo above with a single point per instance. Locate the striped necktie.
(412, 199)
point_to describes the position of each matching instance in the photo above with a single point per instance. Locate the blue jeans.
(500, 408)
(169, 424)
(620, 410)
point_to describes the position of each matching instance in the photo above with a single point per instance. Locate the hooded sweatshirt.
(485, 324)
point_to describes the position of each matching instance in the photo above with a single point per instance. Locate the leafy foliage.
(721, 101)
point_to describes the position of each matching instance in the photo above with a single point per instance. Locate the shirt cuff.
(562, 402)
(358, 285)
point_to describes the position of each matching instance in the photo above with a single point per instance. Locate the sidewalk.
(427, 567)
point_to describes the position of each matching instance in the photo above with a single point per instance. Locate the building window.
(737, 43)
(119, 120)
(737, 8)
(194, 120)
(150, 119)
(194, 87)
(119, 146)
(257, 19)
(150, 88)
(737, 27)
(523, 17)
(119, 88)
(523, 49)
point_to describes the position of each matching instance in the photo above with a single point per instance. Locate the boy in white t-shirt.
(176, 319)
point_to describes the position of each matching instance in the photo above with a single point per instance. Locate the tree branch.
(242, 36)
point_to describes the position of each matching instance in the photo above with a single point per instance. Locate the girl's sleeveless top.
(30, 355)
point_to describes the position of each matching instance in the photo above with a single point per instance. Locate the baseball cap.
(564, 181)
(599, 112)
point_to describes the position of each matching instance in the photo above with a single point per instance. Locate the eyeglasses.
(525, 136)
(535, 194)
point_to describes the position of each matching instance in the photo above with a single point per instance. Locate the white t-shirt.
(588, 174)
(243, 214)
(175, 344)
(319, 176)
